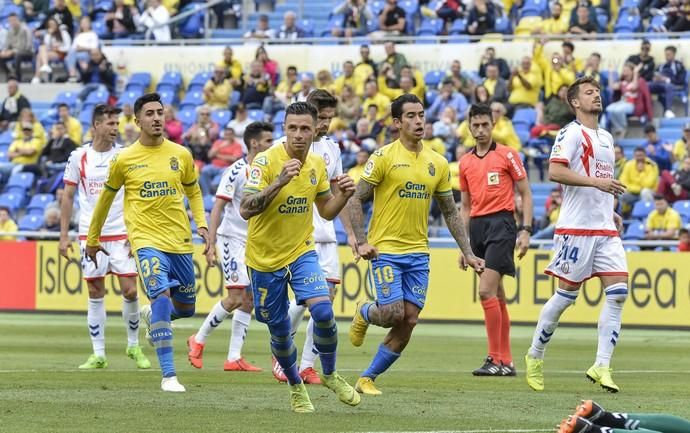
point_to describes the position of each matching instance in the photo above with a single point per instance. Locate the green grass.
(430, 388)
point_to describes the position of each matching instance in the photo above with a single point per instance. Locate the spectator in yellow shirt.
(288, 87)
(374, 97)
(555, 73)
(408, 83)
(6, 224)
(217, 89)
(663, 222)
(433, 143)
(324, 80)
(366, 68)
(126, 118)
(503, 132)
(27, 116)
(680, 149)
(25, 150)
(454, 170)
(525, 84)
(74, 129)
(641, 177)
(356, 172)
(556, 24)
(348, 78)
(619, 160)
(233, 68)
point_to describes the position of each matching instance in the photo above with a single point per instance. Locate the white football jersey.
(585, 211)
(231, 189)
(329, 150)
(87, 169)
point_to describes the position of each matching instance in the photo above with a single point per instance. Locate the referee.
(488, 177)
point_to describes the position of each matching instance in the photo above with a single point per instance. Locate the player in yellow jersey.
(402, 177)
(156, 175)
(284, 184)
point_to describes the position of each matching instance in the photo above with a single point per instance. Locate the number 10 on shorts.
(384, 274)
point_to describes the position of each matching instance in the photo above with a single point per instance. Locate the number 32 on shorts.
(150, 266)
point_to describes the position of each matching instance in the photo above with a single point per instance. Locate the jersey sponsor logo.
(261, 160)
(493, 178)
(368, 168)
(400, 166)
(603, 169)
(132, 167)
(312, 176)
(314, 278)
(432, 169)
(294, 205)
(174, 164)
(157, 189)
(189, 288)
(254, 176)
(565, 268)
(414, 190)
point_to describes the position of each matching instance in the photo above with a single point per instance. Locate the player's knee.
(617, 293)
(487, 293)
(321, 311)
(391, 315)
(411, 321)
(129, 293)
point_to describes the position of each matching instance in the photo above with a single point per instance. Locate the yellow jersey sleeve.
(374, 170)
(115, 178)
(260, 175)
(189, 176)
(324, 184)
(444, 187)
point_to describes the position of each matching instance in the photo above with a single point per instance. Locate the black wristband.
(528, 229)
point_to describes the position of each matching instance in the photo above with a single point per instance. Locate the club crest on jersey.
(386, 291)
(260, 160)
(234, 277)
(174, 164)
(492, 178)
(312, 176)
(565, 268)
(432, 169)
(152, 283)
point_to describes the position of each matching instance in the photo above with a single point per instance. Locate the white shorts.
(328, 260)
(231, 252)
(119, 262)
(578, 258)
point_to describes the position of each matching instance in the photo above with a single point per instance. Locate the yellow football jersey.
(405, 183)
(283, 231)
(156, 179)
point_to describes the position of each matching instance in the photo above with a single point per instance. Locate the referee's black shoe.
(508, 370)
(488, 369)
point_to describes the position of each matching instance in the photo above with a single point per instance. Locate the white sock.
(610, 322)
(296, 313)
(548, 320)
(95, 317)
(130, 314)
(309, 352)
(214, 318)
(240, 323)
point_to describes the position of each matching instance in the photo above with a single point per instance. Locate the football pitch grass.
(429, 389)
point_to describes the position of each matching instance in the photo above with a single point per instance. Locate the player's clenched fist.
(473, 261)
(367, 252)
(290, 170)
(346, 186)
(609, 185)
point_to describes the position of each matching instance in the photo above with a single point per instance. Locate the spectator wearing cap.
(290, 31)
(262, 30)
(448, 97)
(224, 152)
(683, 240)
(647, 70)
(218, 88)
(13, 104)
(524, 84)
(663, 222)
(657, 149)
(19, 46)
(7, 225)
(641, 178)
(675, 185)
(668, 78)
(681, 148)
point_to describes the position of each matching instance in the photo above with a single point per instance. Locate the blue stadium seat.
(199, 80)
(208, 202)
(173, 79)
(542, 188)
(221, 117)
(192, 99)
(167, 97)
(641, 209)
(502, 25)
(3, 155)
(632, 248)
(430, 27)
(279, 118)
(69, 98)
(128, 97)
(38, 203)
(187, 115)
(97, 97)
(235, 98)
(307, 27)
(631, 142)
(431, 96)
(683, 208)
(628, 5)
(459, 27)
(433, 78)
(11, 200)
(6, 138)
(669, 134)
(676, 122)
(377, 6)
(334, 22)
(533, 8)
(443, 232)
(192, 27)
(656, 23)
(139, 80)
(627, 23)
(85, 116)
(20, 182)
(100, 27)
(256, 115)
(409, 6)
(30, 223)
(634, 231)
(525, 116)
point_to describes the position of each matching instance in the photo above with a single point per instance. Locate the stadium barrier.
(192, 59)
(36, 277)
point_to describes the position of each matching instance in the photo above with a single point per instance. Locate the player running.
(284, 183)
(489, 175)
(401, 177)
(587, 241)
(325, 242)
(231, 242)
(86, 171)
(156, 174)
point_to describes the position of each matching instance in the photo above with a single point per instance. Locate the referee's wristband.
(528, 229)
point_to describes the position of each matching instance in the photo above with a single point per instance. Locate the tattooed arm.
(457, 229)
(363, 193)
(254, 203)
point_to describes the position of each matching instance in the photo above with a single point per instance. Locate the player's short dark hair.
(103, 110)
(321, 99)
(6, 209)
(569, 45)
(399, 102)
(683, 231)
(145, 99)
(659, 197)
(300, 109)
(597, 55)
(254, 130)
(63, 105)
(640, 149)
(649, 128)
(292, 68)
(671, 48)
(479, 110)
(574, 89)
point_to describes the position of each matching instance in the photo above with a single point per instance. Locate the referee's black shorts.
(492, 238)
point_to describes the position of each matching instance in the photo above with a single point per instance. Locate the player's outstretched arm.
(65, 218)
(330, 205)
(457, 229)
(560, 173)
